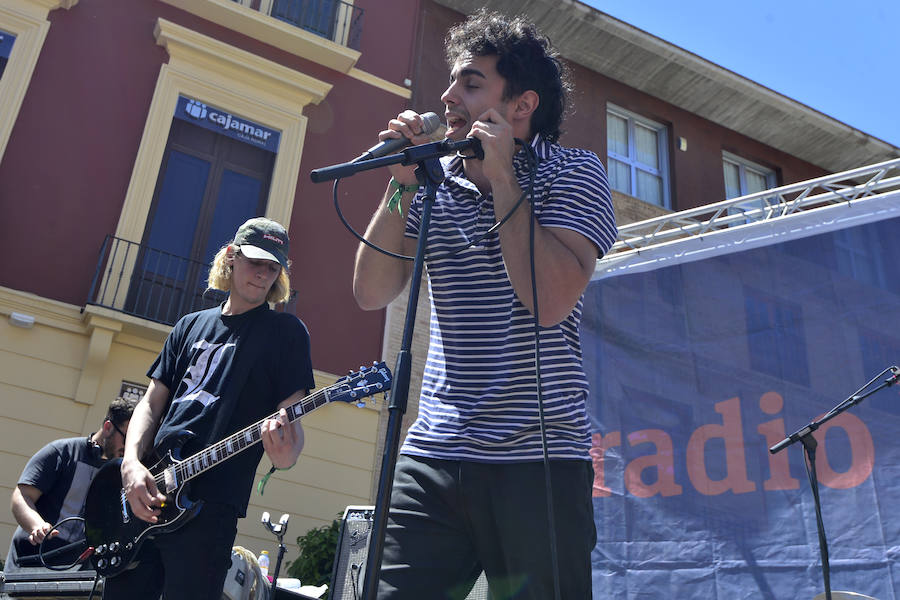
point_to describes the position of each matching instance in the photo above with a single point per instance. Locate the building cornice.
(652, 65)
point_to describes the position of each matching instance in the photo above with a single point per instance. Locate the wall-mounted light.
(682, 144)
(21, 320)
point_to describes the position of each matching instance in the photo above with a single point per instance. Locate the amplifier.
(352, 550)
(44, 584)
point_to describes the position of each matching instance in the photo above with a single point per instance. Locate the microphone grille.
(433, 127)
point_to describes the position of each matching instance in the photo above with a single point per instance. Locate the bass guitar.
(111, 528)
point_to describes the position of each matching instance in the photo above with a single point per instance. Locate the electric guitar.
(111, 528)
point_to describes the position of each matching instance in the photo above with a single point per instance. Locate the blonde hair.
(220, 277)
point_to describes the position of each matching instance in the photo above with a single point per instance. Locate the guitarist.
(219, 371)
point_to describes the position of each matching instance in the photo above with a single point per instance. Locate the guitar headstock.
(357, 385)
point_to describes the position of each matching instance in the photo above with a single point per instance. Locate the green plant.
(316, 560)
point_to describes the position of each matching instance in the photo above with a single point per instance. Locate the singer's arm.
(564, 259)
(378, 278)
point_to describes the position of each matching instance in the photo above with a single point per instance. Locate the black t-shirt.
(62, 470)
(204, 351)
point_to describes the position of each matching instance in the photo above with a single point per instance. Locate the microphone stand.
(804, 435)
(278, 531)
(430, 174)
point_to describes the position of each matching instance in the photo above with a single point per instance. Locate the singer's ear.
(526, 103)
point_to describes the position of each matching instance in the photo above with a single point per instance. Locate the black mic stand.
(804, 435)
(430, 174)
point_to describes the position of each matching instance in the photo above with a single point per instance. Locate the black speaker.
(350, 558)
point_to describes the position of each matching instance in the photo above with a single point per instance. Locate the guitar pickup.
(170, 480)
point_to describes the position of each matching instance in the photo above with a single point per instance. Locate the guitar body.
(111, 528)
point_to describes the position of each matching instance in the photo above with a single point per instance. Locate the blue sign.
(696, 369)
(220, 121)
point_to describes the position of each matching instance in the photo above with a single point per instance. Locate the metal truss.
(847, 186)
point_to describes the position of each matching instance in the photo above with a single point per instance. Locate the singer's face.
(475, 87)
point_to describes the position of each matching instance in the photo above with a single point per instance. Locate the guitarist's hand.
(141, 491)
(282, 440)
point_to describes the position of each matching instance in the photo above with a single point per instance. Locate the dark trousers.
(450, 520)
(189, 563)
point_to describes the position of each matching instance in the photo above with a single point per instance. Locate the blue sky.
(840, 58)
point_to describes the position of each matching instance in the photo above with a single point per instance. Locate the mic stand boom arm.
(805, 436)
(414, 155)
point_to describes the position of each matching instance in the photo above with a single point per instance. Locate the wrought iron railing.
(149, 283)
(335, 20)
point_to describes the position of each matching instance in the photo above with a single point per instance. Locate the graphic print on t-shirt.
(205, 365)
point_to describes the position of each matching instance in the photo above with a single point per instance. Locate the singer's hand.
(408, 124)
(496, 136)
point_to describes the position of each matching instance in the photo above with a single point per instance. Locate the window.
(6, 44)
(236, 87)
(209, 184)
(23, 29)
(743, 178)
(314, 16)
(638, 157)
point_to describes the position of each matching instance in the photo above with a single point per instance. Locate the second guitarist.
(220, 370)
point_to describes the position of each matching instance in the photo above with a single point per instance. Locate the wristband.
(261, 486)
(399, 190)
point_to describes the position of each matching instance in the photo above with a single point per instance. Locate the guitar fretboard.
(223, 450)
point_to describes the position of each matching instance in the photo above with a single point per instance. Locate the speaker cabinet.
(352, 550)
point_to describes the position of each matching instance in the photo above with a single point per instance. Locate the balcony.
(335, 20)
(152, 284)
(144, 282)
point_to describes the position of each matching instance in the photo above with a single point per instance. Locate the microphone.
(409, 156)
(431, 127)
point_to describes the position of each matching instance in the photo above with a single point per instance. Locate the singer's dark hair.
(525, 59)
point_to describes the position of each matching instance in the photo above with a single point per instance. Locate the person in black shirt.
(53, 486)
(219, 371)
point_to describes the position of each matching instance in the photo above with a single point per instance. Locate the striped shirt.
(479, 392)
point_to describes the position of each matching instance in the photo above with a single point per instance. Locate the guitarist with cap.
(220, 370)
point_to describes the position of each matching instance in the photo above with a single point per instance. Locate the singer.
(469, 491)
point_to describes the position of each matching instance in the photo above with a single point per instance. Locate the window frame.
(235, 81)
(743, 165)
(27, 20)
(662, 148)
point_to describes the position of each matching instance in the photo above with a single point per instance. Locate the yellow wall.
(43, 368)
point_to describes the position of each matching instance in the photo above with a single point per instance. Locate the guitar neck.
(221, 451)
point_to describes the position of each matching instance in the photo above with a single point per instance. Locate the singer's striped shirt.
(479, 399)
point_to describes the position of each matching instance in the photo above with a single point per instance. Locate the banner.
(704, 354)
